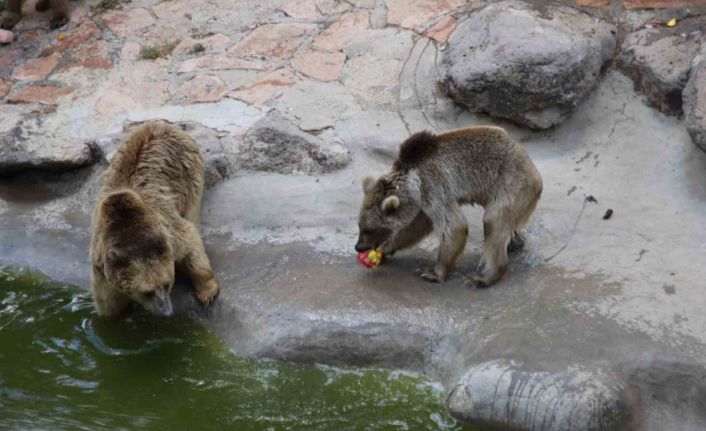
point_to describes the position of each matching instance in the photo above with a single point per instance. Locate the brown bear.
(13, 12)
(145, 222)
(433, 176)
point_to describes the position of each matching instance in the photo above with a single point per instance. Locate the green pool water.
(64, 368)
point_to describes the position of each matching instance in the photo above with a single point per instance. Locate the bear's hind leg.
(498, 228)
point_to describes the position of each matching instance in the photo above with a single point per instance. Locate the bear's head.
(138, 259)
(389, 204)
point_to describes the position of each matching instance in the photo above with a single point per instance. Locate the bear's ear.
(368, 183)
(390, 204)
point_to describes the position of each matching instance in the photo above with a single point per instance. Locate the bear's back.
(161, 163)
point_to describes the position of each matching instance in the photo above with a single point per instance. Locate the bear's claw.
(208, 293)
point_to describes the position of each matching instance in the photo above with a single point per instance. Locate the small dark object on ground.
(197, 48)
(589, 198)
(608, 214)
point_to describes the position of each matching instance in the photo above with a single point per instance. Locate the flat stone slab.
(29, 145)
(524, 62)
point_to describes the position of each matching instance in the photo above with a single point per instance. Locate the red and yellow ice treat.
(370, 258)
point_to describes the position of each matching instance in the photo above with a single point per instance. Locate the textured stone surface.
(496, 394)
(658, 59)
(86, 32)
(442, 29)
(4, 88)
(661, 4)
(374, 80)
(31, 145)
(695, 102)
(141, 86)
(317, 105)
(272, 40)
(127, 23)
(302, 9)
(218, 62)
(44, 94)
(8, 57)
(379, 132)
(265, 88)
(332, 7)
(275, 145)
(130, 51)
(216, 164)
(36, 69)
(530, 65)
(335, 37)
(398, 44)
(228, 115)
(600, 4)
(213, 43)
(414, 13)
(93, 56)
(202, 88)
(318, 65)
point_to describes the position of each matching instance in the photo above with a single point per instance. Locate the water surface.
(64, 368)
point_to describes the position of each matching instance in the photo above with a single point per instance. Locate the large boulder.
(503, 395)
(531, 63)
(275, 145)
(695, 101)
(658, 59)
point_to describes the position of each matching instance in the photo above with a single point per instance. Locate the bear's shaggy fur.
(13, 12)
(432, 177)
(145, 222)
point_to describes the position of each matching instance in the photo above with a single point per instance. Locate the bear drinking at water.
(432, 177)
(145, 222)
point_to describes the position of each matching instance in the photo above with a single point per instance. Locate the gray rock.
(317, 105)
(659, 60)
(31, 145)
(526, 62)
(378, 132)
(216, 164)
(695, 102)
(500, 394)
(275, 145)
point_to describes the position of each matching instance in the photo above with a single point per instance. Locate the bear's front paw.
(42, 5)
(8, 20)
(58, 20)
(207, 292)
(431, 275)
(479, 281)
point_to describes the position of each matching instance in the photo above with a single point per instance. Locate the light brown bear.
(145, 222)
(432, 177)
